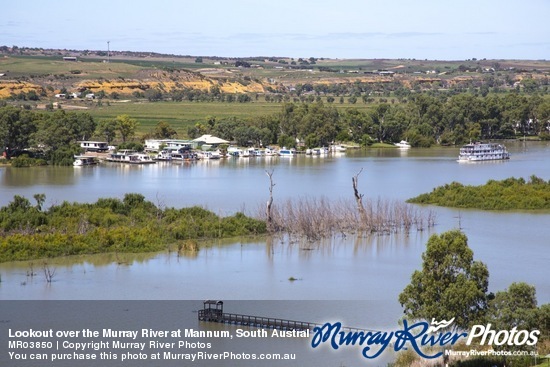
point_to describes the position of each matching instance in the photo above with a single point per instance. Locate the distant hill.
(47, 72)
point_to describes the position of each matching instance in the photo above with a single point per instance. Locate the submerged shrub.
(508, 194)
(109, 225)
(26, 161)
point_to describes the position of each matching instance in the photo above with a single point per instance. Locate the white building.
(155, 145)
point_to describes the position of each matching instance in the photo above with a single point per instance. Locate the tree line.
(423, 120)
(54, 136)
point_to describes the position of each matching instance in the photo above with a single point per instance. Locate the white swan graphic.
(439, 325)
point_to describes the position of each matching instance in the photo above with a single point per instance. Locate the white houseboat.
(82, 160)
(475, 152)
(157, 145)
(94, 146)
(130, 156)
(337, 148)
(403, 144)
(214, 154)
(287, 152)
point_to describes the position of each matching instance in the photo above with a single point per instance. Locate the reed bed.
(316, 218)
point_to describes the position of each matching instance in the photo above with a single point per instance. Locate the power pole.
(108, 52)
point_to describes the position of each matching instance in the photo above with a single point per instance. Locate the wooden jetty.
(213, 312)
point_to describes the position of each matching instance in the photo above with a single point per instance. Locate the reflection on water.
(42, 176)
(321, 270)
(513, 245)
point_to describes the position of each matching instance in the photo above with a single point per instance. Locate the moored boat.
(403, 144)
(215, 154)
(338, 148)
(83, 160)
(269, 152)
(164, 155)
(479, 151)
(287, 152)
(185, 156)
(129, 156)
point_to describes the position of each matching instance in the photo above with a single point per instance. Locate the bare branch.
(359, 198)
(270, 201)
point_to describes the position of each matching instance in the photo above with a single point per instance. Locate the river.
(369, 270)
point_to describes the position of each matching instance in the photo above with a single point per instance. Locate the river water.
(370, 270)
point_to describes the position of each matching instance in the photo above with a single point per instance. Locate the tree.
(126, 126)
(544, 320)
(378, 117)
(16, 128)
(450, 284)
(40, 199)
(153, 95)
(106, 130)
(357, 123)
(61, 129)
(514, 307)
(32, 95)
(163, 130)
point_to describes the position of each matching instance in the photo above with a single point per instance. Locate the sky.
(353, 29)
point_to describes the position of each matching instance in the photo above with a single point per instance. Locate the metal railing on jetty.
(213, 312)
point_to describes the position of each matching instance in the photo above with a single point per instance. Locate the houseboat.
(131, 157)
(269, 152)
(287, 152)
(94, 146)
(82, 160)
(164, 155)
(338, 148)
(215, 154)
(403, 144)
(475, 152)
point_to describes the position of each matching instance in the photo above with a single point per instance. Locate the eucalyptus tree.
(357, 123)
(16, 129)
(163, 130)
(514, 307)
(62, 129)
(321, 121)
(450, 285)
(106, 129)
(126, 126)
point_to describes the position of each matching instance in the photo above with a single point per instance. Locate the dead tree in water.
(359, 198)
(270, 201)
(49, 273)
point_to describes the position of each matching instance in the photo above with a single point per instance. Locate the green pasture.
(181, 115)
(44, 65)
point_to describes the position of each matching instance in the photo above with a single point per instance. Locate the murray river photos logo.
(416, 336)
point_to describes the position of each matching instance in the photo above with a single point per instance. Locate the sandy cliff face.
(141, 81)
(9, 87)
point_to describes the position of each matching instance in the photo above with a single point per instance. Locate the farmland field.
(181, 115)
